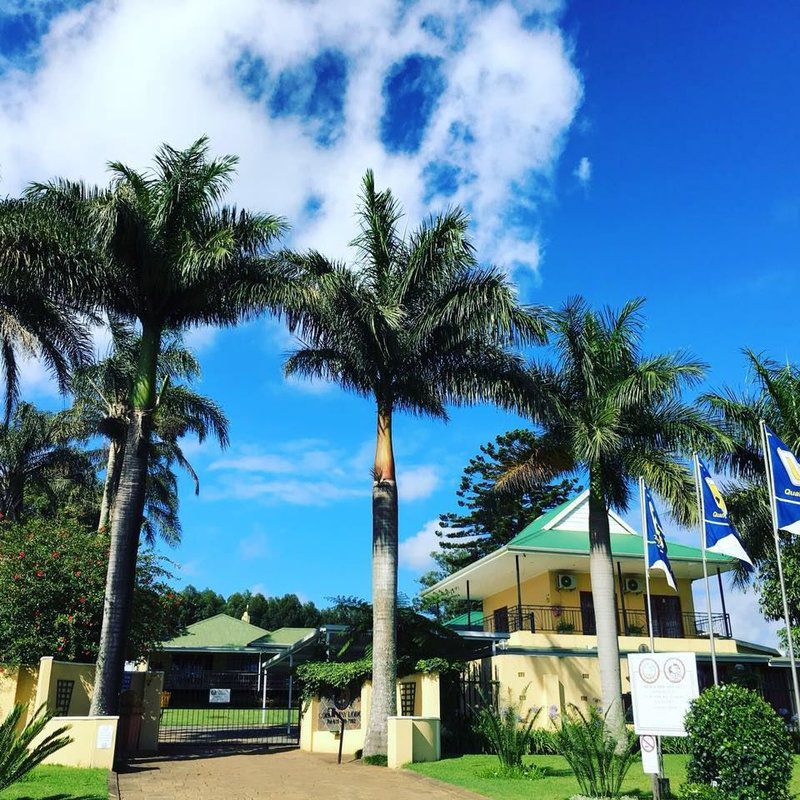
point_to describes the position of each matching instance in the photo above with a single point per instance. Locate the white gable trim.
(579, 507)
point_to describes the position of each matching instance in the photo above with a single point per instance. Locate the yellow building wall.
(541, 591)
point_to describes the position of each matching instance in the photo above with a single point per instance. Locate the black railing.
(566, 619)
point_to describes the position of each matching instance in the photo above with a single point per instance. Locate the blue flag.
(720, 535)
(785, 482)
(657, 557)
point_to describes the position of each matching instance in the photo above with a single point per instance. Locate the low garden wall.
(320, 728)
(65, 689)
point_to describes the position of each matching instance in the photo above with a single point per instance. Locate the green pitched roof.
(535, 537)
(284, 636)
(218, 632)
(475, 618)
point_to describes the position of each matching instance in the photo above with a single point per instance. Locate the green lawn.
(60, 783)
(235, 717)
(559, 784)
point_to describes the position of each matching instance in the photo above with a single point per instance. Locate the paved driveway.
(288, 775)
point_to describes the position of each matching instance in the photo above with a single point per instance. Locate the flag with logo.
(785, 487)
(720, 535)
(657, 557)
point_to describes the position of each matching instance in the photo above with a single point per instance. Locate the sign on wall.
(345, 701)
(662, 687)
(219, 695)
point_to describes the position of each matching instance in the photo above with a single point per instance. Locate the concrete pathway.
(288, 775)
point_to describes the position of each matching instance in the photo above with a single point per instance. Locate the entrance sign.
(219, 695)
(649, 747)
(662, 686)
(346, 702)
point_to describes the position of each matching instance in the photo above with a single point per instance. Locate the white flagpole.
(658, 775)
(773, 509)
(701, 515)
(646, 567)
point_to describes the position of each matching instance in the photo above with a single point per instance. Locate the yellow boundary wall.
(315, 738)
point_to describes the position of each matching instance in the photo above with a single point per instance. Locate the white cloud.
(417, 483)
(283, 476)
(253, 546)
(415, 552)
(583, 172)
(118, 77)
(201, 338)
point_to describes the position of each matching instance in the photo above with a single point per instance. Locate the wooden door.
(501, 620)
(588, 622)
(667, 619)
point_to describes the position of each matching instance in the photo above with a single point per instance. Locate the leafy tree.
(102, 393)
(491, 518)
(194, 605)
(605, 409)
(171, 256)
(38, 314)
(52, 579)
(39, 455)
(416, 325)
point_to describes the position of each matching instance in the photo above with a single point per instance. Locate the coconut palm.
(102, 392)
(414, 326)
(38, 297)
(172, 256)
(39, 454)
(775, 400)
(605, 409)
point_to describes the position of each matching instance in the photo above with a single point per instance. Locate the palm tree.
(172, 256)
(774, 400)
(415, 326)
(38, 454)
(39, 305)
(605, 409)
(102, 392)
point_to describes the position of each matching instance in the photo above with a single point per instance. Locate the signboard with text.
(219, 695)
(662, 686)
(345, 703)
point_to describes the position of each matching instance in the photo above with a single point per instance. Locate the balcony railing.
(566, 619)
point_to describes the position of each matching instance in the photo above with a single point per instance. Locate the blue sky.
(612, 150)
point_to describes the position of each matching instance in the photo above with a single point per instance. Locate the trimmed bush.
(700, 791)
(738, 744)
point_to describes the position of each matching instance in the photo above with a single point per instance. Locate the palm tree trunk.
(111, 483)
(384, 589)
(601, 569)
(126, 525)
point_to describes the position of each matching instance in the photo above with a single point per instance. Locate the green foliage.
(674, 745)
(52, 581)
(490, 519)
(505, 731)
(324, 677)
(377, 760)
(740, 743)
(701, 791)
(527, 772)
(543, 742)
(17, 756)
(598, 761)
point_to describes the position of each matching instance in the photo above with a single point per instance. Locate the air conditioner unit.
(633, 585)
(566, 583)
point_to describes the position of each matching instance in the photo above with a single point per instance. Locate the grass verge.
(51, 782)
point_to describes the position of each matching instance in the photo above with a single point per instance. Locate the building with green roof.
(531, 600)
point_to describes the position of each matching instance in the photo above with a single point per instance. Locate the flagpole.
(646, 567)
(701, 516)
(774, 511)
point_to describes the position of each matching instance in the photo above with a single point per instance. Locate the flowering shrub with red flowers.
(52, 582)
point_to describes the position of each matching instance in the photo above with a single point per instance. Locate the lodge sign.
(343, 703)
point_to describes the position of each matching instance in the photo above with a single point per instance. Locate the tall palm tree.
(172, 256)
(102, 392)
(605, 409)
(38, 453)
(775, 398)
(414, 326)
(39, 297)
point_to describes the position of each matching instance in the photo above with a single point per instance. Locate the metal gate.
(205, 708)
(462, 695)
